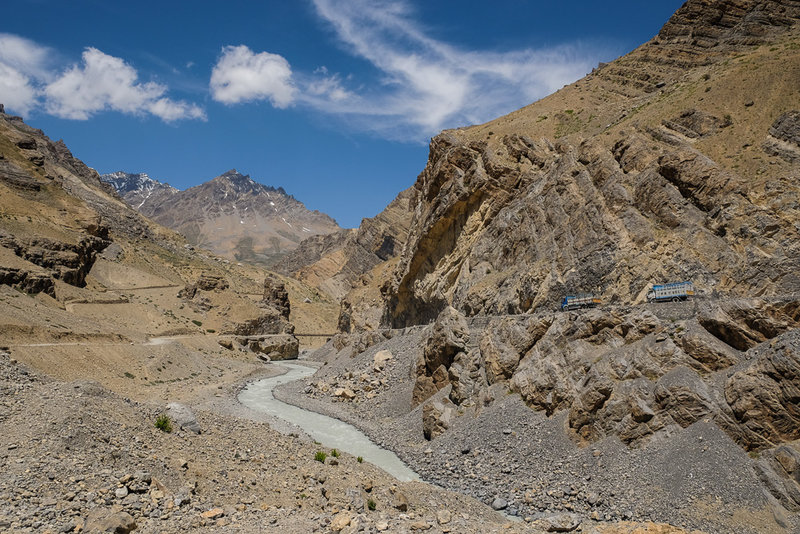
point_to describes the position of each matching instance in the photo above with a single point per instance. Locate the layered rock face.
(676, 162)
(270, 332)
(629, 373)
(336, 263)
(512, 215)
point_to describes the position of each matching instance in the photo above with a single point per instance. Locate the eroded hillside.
(675, 162)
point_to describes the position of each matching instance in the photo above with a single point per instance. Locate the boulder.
(104, 521)
(559, 523)
(183, 416)
(340, 521)
(380, 359)
(277, 347)
(344, 393)
(436, 418)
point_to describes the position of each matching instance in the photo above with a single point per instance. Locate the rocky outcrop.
(784, 137)
(349, 265)
(695, 124)
(728, 23)
(270, 332)
(28, 281)
(496, 235)
(276, 296)
(447, 342)
(764, 398)
(623, 371)
(64, 261)
(195, 294)
(269, 321)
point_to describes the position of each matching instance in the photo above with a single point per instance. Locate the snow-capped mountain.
(138, 188)
(231, 215)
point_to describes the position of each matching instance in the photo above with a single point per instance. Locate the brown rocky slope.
(676, 162)
(650, 169)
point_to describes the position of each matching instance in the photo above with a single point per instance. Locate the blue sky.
(335, 100)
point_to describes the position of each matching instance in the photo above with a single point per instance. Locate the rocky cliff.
(350, 264)
(674, 162)
(231, 215)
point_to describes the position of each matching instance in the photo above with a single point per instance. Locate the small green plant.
(320, 457)
(335, 453)
(371, 504)
(360, 459)
(755, 455)
(541, 118)
(210, 330)
(129, 375)
(163, 423)
(198, 323)
(569, 111)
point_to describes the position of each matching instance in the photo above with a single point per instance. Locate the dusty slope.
(87, 286)
(607, 414)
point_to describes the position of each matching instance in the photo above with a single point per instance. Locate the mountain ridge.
(231, 214)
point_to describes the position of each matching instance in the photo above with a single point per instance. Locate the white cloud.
(16, 92)
(106, 82)
(241, 75)
(25, 56)
(429, 85)
(29, 80)
(23, 64)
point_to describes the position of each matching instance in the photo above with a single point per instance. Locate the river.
(328, 431)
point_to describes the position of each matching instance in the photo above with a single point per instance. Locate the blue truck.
(582, 300)
(674, 292)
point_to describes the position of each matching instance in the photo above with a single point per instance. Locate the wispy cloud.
(29, 81)
(429, 84)
(424, 84)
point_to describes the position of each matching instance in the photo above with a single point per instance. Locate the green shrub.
(129, 375)
(163, 423)
(198, 323)
(320, 456)
(359, 459)
(371, 504)
(335, 453)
